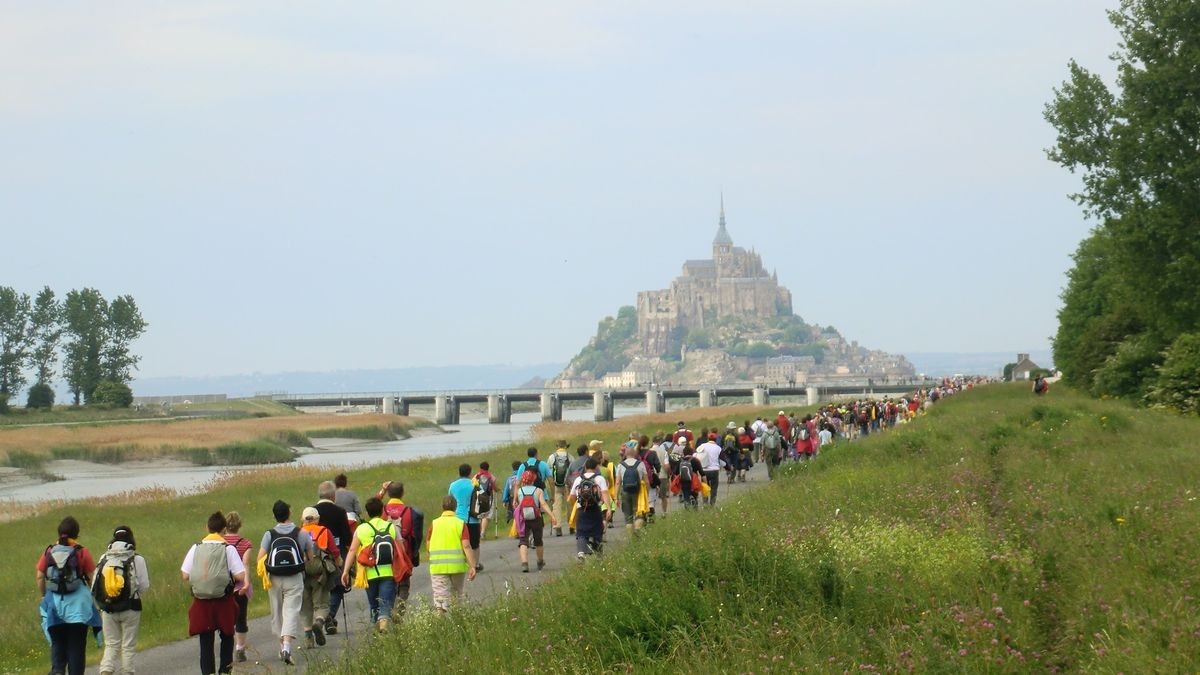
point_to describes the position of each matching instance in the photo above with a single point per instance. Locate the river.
(86, 480)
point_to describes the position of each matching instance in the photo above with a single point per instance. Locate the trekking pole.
(346, 616)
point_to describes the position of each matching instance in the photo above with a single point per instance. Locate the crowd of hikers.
(341, 544)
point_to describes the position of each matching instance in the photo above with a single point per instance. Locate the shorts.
(473, 535)
(533, 533)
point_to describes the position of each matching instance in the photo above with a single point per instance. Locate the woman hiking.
(530, 508)
(121, 579)
(233, 525)
(64, 576)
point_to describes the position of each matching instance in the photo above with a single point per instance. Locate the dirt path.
(501, 575)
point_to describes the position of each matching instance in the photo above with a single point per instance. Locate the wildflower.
(1120, 520)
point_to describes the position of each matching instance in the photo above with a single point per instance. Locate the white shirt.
(758, 427)
(601, 486)
(826, 437)
(231, 556)
(709, 455)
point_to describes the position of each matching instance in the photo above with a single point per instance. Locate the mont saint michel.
(723, 319)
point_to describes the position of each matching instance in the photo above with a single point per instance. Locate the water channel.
(87, 480)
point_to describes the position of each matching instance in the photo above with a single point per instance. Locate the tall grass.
(1001, 533)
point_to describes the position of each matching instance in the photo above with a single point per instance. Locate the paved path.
(501, 575)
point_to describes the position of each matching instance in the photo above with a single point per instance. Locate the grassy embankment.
(1002, 533)
(165, 524)
(65, 414)
(204, 441)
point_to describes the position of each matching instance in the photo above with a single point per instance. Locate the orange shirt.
(321, 537)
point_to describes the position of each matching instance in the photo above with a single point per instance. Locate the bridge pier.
(499, 409)
(402, 407)
(389, 405)
(655, 402)
(602, 406)
(762, 396)
(708, 398)
(814, 395)
(551, 407)
(445, 410)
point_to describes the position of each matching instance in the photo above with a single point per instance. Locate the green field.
(1001, 533)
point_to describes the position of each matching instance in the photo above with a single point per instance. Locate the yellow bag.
(360, 577)
(512, 529)
(705, 490)
(262, 573)
(643, 502)
(571, 519)
(113, 582)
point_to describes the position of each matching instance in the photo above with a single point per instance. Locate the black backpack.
(124, 600)
(562, 463)
(284, 557)
(685, 472)
(588, 491)
(483, 494)
(532, 465)
(630, 480)
(381, 546)
(62, 568)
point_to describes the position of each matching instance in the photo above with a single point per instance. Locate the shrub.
(112, 394)
(1178, 383)
(1129, 371)
(41, 395)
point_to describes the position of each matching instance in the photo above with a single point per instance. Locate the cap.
(731, 425)
(782, 413)
(712, 437)
(595, 443)
(681, 425)
(311, 514)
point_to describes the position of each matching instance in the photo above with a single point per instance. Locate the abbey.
(733, 283)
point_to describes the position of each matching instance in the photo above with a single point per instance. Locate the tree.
(1138, 150)
(123, 325)
(45, 324)
(84, 319)
(111, 394)
(1177, 385)
(41, 395)
(14, 340)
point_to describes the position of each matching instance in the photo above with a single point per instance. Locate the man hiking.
(560, 469)
(587, 493)
(462, 490)
(631, 475)
(214, 570)
(337, 520)
(283, 553)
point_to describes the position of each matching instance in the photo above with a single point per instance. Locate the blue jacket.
(74, 607)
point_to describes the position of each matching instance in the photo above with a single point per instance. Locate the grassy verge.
(73, 415)
(166, 523)
(388, 431)
(1002, 533)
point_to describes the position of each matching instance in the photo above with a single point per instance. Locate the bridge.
(499, 402)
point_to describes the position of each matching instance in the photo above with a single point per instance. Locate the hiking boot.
(579, 557)
(558, 532)
(572, 530)
(524, 567)
(309, 643)
(319, 632)
(541, 565)
(239, 655)
(331, 626)
(286, 657)
(382, 625)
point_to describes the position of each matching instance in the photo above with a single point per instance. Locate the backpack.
(562, 462)
(62, 568)
(532, 465)
(381, 551)
(417, 522)
(653, 467)
(572, 475)
(588, 491)
(530, 509)
(804, 433)
(322, 563)
(210, 577)
(113, 587)
(283, 554)
(483, 493)
(771, 440)
(630, 480)
(685, 471)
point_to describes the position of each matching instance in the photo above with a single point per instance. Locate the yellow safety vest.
(446, 554)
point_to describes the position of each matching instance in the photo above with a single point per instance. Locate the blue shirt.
(461, 490)
(543, 470)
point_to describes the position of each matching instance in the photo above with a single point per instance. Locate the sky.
(296, 186)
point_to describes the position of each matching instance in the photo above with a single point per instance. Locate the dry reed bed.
(198, 433)
(651, 424)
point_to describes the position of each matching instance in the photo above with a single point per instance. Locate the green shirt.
(366, 535)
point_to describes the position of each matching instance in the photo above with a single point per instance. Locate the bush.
(112, 395)
(41, 395)
(1178, 383)
(1129, 371)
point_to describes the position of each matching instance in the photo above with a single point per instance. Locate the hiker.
(319, 574)
(588, 492)
(485, 489)
(661, 449)
(241, 629)
(530, 507)
(631, 476)
(121, 579)
(462, 490)
(450, 555)
(825, 437)
(375, 539)
(772, 444)
(282, 555)
(743, 459)
(348, 500)
(510, 486)
(560, 468)
(683, 436)
(575, 470)
(407, 522)
(710, 464)
(540, 468)
(1041, 385)
(608, 470)
(648, 454)
(215, 572)
(64, 576)
(337, 520)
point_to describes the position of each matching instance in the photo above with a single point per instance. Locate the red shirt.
(400, 514)
(87, 566)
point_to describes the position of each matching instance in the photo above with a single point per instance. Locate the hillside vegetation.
(1001, 533)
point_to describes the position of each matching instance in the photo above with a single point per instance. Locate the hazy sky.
(289, 186)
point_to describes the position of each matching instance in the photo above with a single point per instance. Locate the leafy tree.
(1138, 151)
(84, 317)
(111, 394)
(698, 338)
(123, 325)
(14, 340)
(45, 323)
(1177, 385)
(41, 395)
(1008, 371)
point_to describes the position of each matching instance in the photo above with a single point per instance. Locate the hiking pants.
(381, 596)
(287, 598)
(447, 588)
(120, 640)
(557, 496)
(67, 644)
(589, 532)
(335, 599)
(714, 479)
(206, 653)
(316, 600)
